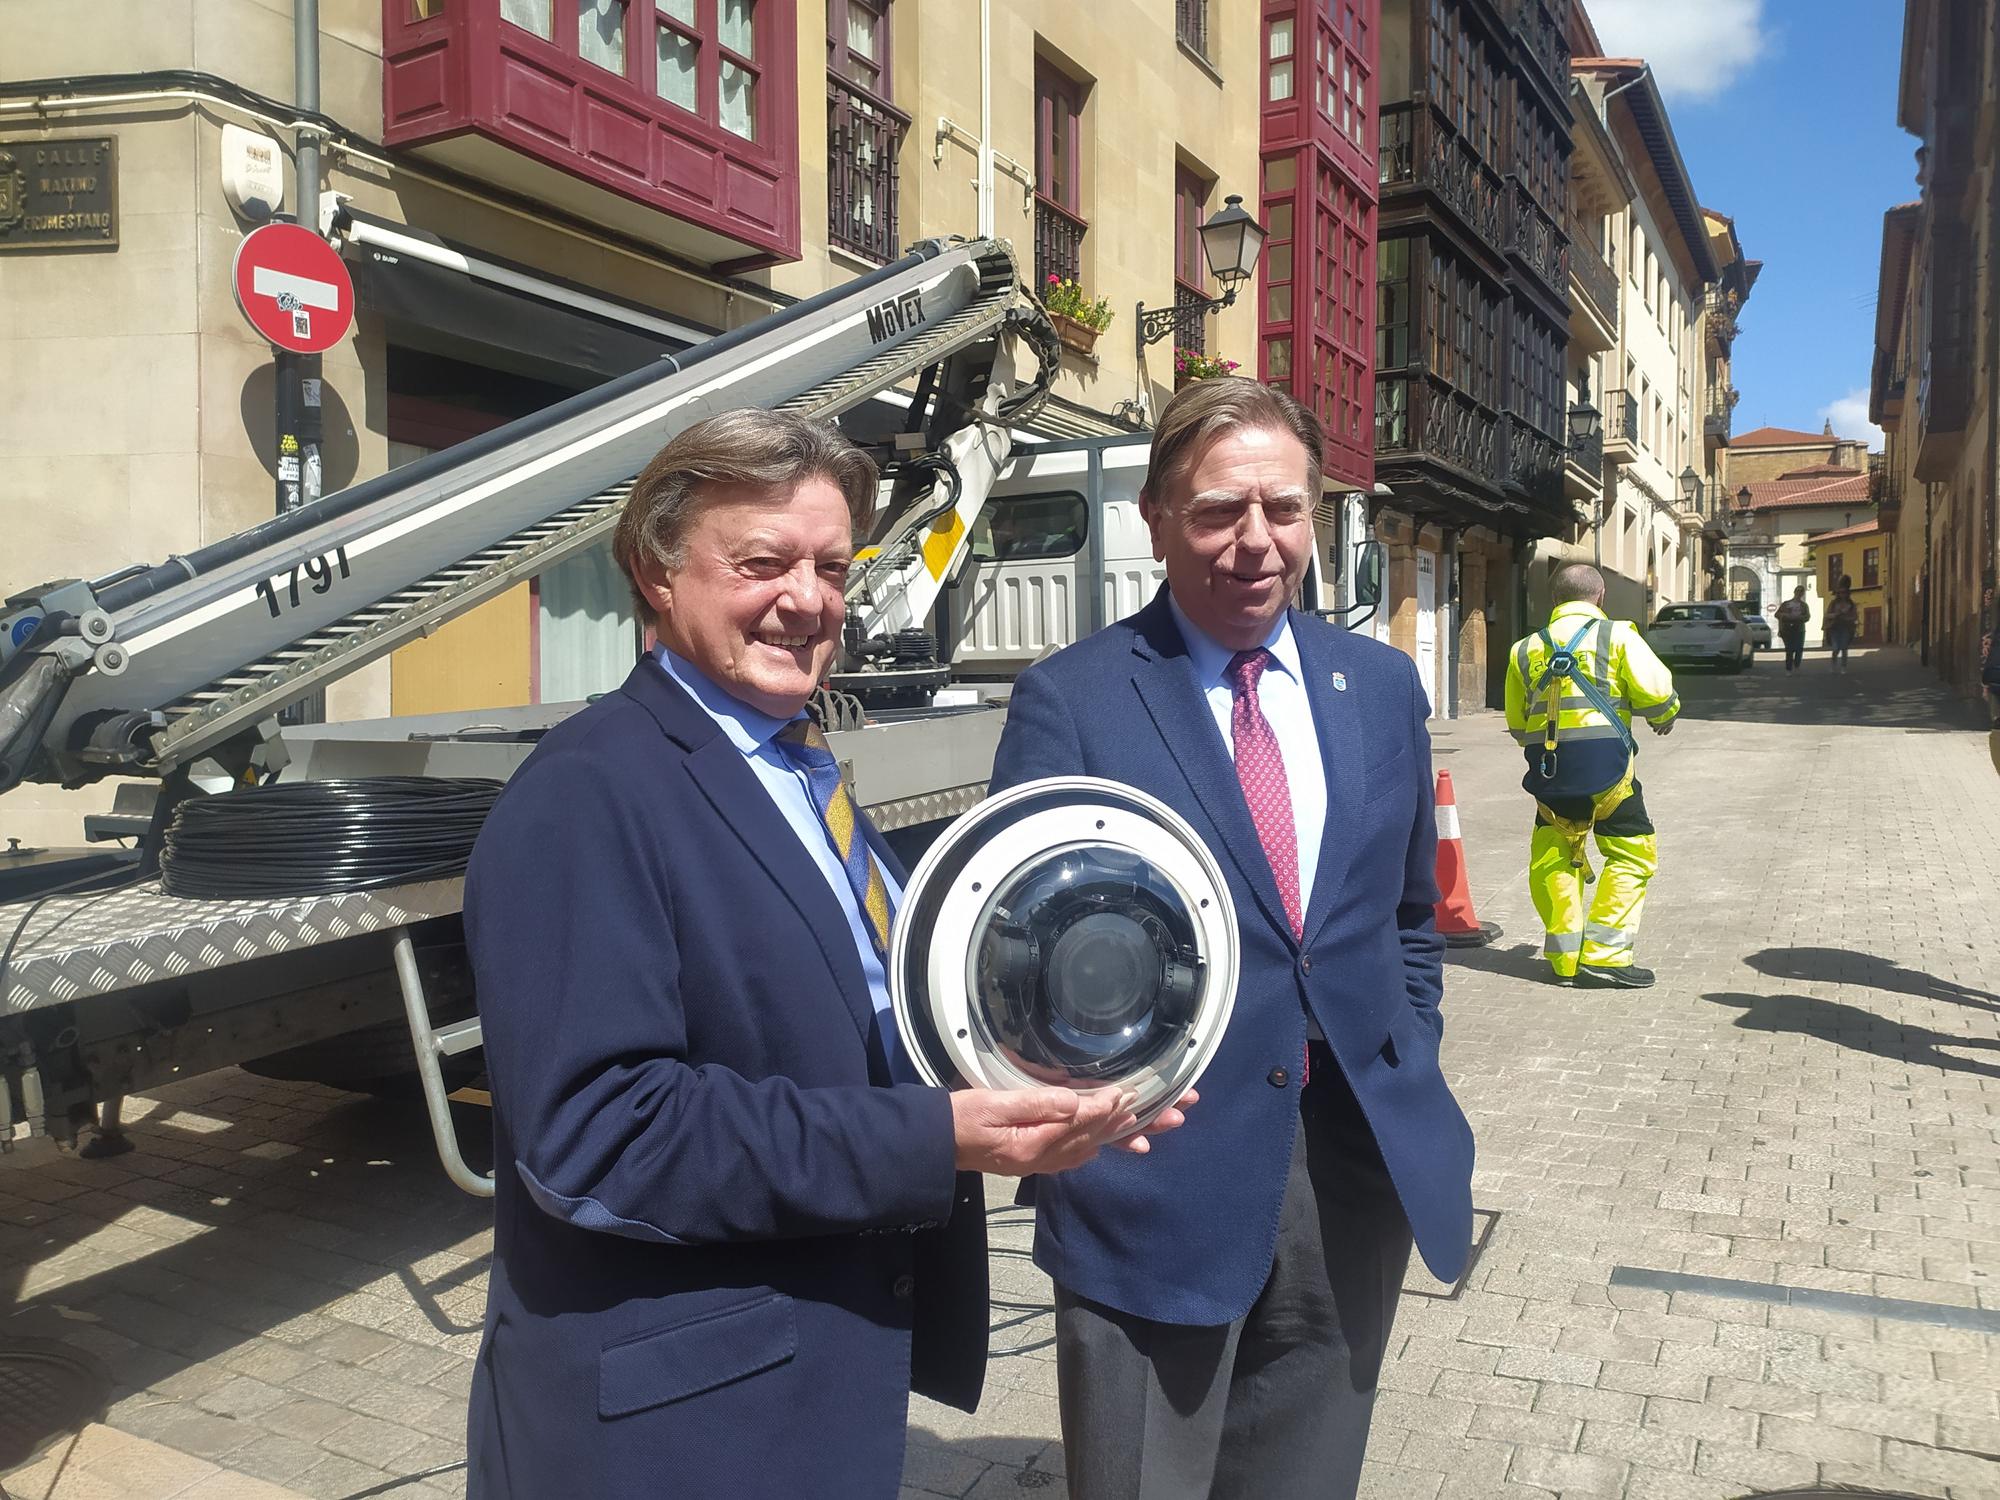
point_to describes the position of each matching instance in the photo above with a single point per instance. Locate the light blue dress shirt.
(1281, 693)
(751, 732)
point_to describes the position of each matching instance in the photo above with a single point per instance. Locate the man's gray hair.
(774, 451)
(1576, 582)
(1204, 410)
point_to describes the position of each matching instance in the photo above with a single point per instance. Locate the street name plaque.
(59, 194)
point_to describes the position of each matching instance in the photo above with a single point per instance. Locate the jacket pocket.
(1389, 774)
(699, 1355)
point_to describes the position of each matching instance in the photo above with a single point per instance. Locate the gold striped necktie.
(802, 741)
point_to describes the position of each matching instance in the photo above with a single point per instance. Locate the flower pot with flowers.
(1190, 364)
(1078, 319)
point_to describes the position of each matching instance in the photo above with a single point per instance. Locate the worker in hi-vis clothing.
(1572, 690)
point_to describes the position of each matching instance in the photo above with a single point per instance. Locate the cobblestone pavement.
(1742, 1231)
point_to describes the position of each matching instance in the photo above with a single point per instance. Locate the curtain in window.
(530, 15)
(600, 33)
(589, 639)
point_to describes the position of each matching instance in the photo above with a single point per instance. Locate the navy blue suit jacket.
(1186, 1233)
(723, 1245)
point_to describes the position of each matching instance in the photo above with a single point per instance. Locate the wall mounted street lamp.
(1231, 241)
(1691, 488)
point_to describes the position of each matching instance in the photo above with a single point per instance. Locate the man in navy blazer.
(728, 1234)
(1221, 1317)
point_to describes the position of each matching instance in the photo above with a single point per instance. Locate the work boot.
(1627, 977)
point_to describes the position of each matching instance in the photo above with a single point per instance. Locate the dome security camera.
(1068, 931)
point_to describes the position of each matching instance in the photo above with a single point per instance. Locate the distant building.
(1858, 554)
(1938, 304)
(1633, 373)
(1773, 452)
(1773, 524)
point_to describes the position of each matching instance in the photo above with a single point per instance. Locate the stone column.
(1472, 563)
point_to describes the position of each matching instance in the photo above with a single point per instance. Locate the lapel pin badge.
(1340, 682)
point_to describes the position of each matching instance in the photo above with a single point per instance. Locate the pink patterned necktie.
(1260, 766)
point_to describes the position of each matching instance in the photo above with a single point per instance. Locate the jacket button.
(1279, 1078)
(1305, 963)
(905, 1285)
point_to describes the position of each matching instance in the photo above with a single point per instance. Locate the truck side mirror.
(1370, 559)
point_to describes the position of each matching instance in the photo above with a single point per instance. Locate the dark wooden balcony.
(1418, 149)
(1537, 241)
(1058, 242)
(1539, 28)
(1534, 465)
(863, 139)
(1946, 353)
(1621, 427)
(1420, 416)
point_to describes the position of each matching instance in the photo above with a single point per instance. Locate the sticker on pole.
(293, 288)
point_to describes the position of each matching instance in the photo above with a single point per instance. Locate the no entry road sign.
(293, 288)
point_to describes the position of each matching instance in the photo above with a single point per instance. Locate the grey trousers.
(1276, 1405)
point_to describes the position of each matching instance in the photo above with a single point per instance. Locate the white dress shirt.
(752, 732)
(1281, 694)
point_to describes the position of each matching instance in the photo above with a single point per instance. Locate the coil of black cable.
(319, 838)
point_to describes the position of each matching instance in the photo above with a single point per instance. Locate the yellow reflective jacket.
(1616, 656)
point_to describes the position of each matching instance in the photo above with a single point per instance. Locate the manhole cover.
(47, 1391)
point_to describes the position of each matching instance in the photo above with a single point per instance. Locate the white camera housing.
(1070, 930)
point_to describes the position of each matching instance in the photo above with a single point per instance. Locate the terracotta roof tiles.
(1782, 494)
(1783, 437)
(1866, 528)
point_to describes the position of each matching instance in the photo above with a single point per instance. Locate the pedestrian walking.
(1793, 616)
(1572, 688)
(1841, 619)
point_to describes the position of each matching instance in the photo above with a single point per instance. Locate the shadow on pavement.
(1862, 1030)
(1887, 688)
(935, 1464)
(1843, 966)
(1520, 961)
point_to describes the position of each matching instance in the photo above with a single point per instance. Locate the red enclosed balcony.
(672, 120)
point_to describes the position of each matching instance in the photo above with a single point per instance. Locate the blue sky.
(1785, 113)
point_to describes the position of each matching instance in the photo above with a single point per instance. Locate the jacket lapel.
(1167, 685)
(732, 788)
(1337, 721)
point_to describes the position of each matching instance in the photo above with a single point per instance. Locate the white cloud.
(1698, 48)
(1849, 416)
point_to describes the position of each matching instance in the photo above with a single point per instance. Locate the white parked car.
(1711, 632)
(1760, 631)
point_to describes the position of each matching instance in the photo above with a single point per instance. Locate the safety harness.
(1560, 671)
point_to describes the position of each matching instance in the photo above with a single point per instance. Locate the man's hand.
(1665, 726)
(1169, 1118)
(1025, 1132)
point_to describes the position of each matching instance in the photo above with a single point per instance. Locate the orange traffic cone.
(1455, 917)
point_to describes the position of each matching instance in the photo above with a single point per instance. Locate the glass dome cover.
(1072, 931)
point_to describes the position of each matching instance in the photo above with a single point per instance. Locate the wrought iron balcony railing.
(1191, 25)
(1621, 422)
(1419, 149)
(1589, 273)
(863, 138)
(1058, 242)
